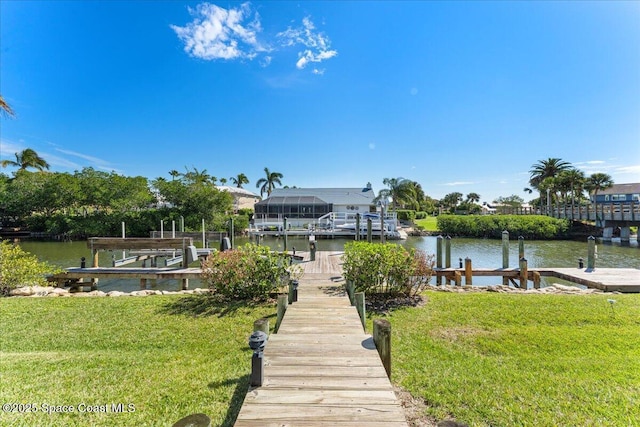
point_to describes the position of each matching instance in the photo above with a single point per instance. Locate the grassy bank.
(429, 223)
(167, 357)
(527, 360)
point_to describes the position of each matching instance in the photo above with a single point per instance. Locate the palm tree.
(401, 191)
(473, 198)
(544, 169)
(239, 179)
(572, 180)
(223, 181)
(27, 158)
(174, 174)
(268, 183)
(596, 182)
(198, 177)
(6, 108)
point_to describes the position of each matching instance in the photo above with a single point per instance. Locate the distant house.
(619, 193)
(301, 205)
(242, 199)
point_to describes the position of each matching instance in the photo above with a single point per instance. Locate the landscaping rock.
(117, 294)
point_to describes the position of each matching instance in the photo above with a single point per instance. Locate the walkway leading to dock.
(321, 369)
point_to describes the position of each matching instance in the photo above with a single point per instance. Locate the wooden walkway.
(321, 369)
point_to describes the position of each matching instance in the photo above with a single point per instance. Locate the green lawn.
(429, 223)
(522, 360)
(166, 356)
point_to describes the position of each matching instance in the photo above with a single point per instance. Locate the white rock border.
(50, 291)
(554, 288)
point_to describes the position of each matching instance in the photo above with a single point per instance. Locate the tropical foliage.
(20, 268)
(528, 226)
(250, 272)
(27, 158)
(387, 269)
(269, 182)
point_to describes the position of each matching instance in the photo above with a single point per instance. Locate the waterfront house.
(305, 205)
(242, 199)
(619, 193)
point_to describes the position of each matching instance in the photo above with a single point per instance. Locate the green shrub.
(19, 268)
(249, 272)
(386, 268)
(406, 215)
(528, 226)
(421, 215)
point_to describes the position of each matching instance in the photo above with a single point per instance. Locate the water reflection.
(484, 253)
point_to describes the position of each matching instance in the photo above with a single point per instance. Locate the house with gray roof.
(305, 205)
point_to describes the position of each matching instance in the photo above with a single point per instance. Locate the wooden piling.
(536, 279)
(369, 234)
(282, 308)
(290, 294)
(468, 272)
(520, 247)
(447, 254)
(359, 300)
(523, 274)
(505, 255)
(457, 278)
(382, 340)
(351, 288)
(439, 257)
(591, 253)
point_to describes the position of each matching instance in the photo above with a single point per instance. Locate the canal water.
(484, 253)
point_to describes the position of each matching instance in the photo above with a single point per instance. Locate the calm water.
(485, 253)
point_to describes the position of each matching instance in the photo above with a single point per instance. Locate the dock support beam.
(523, 274)
(282, 307)
(591, 253)
(439, 257)
(359, 297)
(382, 340)
(505, 255)
(468, 272)
(447, 252)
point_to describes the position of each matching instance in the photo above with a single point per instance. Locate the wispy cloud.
(317, 45)
(218, 33)
(458, 183)
(372, 146)
(237, 34)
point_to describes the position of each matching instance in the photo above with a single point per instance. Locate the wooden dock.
(624, 280)
(321, 369)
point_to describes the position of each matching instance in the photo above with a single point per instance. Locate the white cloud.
(458, 183)
(218, 33)
(317, 45)
(372, 146)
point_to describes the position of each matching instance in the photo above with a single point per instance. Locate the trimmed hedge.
(492, 226)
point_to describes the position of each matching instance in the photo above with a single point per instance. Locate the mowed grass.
(429, 223)
(166, 356)
(522, 360)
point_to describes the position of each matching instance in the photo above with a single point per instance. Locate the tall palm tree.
(174, 174)
(544, 169)
(6, 108)
(596, 182)
(401, 191)
(268, 183)
(27, 158)
(239, 180)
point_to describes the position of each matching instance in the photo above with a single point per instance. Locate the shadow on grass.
(205, 305)
(242, 386)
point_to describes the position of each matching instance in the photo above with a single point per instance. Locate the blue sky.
(459, 96)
